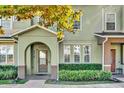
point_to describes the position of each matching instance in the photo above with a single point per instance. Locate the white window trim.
(11, 23)
(38, 19)
(79, 55)
(105, 21)
(14, 19)
(90, 52)
(64, 55)
(6, 56)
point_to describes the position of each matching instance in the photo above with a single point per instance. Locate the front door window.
(43, 64)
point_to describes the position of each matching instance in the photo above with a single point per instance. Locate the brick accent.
(21, 72)
(54, 72)
(107, 51)
(107, 68)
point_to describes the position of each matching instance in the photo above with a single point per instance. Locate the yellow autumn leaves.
(60, 35)
(62, 15)
(2, 31)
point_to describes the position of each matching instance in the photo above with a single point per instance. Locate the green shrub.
(8, 72)
(84, 75)
(80, 66)
(7, 67)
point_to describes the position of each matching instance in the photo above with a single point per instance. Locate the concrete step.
(38, 77)
(118, 78)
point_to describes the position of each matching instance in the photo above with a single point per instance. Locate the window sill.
(112, 31)
(4, 63)
(76, 63)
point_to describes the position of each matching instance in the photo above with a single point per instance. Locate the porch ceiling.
(113, 37)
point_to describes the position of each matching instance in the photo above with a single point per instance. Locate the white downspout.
(103, 50)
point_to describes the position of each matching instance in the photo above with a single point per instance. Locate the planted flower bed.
(8, 72)
(84, 75)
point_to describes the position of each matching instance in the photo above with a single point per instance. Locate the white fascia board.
(117, 36)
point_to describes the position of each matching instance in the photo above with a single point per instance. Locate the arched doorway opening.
(37, 59)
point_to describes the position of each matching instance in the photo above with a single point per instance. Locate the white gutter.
(7, 39)
(117, 36)
(103, 50)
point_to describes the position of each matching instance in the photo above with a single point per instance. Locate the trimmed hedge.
(8, 72)
(84, 75)
(80, 66)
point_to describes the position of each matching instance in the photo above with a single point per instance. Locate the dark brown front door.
(113, 58)
(43, 62)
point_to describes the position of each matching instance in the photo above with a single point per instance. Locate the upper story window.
(110, 21)
(77, 53)
(6, 23)
(76, 25)
(67, 53)
(6, 54)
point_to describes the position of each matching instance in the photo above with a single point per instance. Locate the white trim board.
(77, 43)
(117, 36)
(31, 27)
(106, 65)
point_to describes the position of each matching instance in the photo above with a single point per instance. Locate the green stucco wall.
(91, 23)
(37, 35)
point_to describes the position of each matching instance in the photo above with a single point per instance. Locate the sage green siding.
(33, 36)
(20, 25)
(92, 22)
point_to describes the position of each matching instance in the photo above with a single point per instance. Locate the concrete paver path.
(28, 84)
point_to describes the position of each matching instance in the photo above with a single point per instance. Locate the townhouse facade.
(35, 50)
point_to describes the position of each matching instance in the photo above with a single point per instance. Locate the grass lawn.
(12, 82)
(80, 82)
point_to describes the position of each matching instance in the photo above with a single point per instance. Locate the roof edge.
(31, 27)
(104, 36)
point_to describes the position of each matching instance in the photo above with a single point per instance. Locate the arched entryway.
(37, 36)
(37, 59)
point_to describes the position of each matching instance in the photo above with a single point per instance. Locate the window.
(42, 56)
(2, 54)
(14, 18)
(110, 21)
(67, 53)
(73, 53)
(77, 53)
(6, 23)
(6, 54)
(38, 19)
(76, 25)
(86, 53)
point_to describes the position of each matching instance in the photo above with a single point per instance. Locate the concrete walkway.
(119, 85)
(29, 84)
(41, 84)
